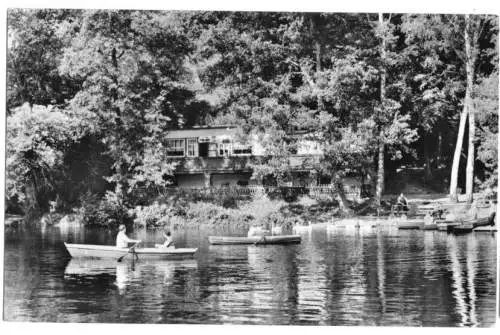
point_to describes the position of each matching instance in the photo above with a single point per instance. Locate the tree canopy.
(377, 91)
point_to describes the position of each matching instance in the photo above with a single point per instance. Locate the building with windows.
(213, 156)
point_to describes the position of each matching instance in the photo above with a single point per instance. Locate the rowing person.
(122, 240)
(169, 243)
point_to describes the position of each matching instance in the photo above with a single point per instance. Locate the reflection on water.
(341, 276)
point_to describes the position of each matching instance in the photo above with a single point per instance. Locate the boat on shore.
(486, 229)
(107, 251)
(257, 240)
(468, 226)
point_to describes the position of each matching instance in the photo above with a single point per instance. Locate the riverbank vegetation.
(91, 94)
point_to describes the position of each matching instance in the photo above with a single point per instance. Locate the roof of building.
(202, 132)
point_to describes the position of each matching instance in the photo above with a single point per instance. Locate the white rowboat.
(107, 251)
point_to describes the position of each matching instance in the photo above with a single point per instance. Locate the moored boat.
(481, 222)
(411, 224)
(463, 228)
(432, 226)
(486, 229)
(107, 251)
(466, 226)
(446, 225)
(281, 239)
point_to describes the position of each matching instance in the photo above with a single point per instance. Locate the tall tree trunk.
(381, 146)
(317, 53)
(440, 147)
(427, 159)
(318, 70)
(470, 46)
(470, 53)
(381, 171)
(457, 154)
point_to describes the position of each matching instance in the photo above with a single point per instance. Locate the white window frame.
(176, 144)
(224, 149)
(212, 149)
(194, 143)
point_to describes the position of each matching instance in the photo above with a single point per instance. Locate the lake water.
(368, 276)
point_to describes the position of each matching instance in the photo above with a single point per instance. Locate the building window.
(224, 149)
(212, 150)
(192, 147)
(175, 148)
(242, 150)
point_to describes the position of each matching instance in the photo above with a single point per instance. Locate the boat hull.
(95, 251)
(447, 226)
(463, 229)
(169, 253)
(227, 240)
(486, 229)
(105, 251)
(411, 224)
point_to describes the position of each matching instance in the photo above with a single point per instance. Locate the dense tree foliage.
(377, 91)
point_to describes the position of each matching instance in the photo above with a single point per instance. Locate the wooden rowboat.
(467, 226)
(107, 251)
(411, 224)
(463, 228)
(279, 239)
(432, 226)
(165, 253)
(486, 229)
(481, 222)
(447, 225)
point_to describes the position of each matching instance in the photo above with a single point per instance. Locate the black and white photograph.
(250, 167)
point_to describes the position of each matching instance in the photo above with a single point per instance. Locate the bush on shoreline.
(181, 210)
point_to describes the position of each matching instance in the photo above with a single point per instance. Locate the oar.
(131, 250)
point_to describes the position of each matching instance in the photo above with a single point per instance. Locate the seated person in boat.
(428, 219)
(257, 230)
(122, 240)
(402, 203)
(169, 243)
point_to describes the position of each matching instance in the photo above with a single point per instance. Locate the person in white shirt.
(122, 240)
(169, 243)
(257, 230)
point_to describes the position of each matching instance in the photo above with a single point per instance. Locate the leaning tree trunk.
(470, 44)
(456, 155)
(470, 159)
